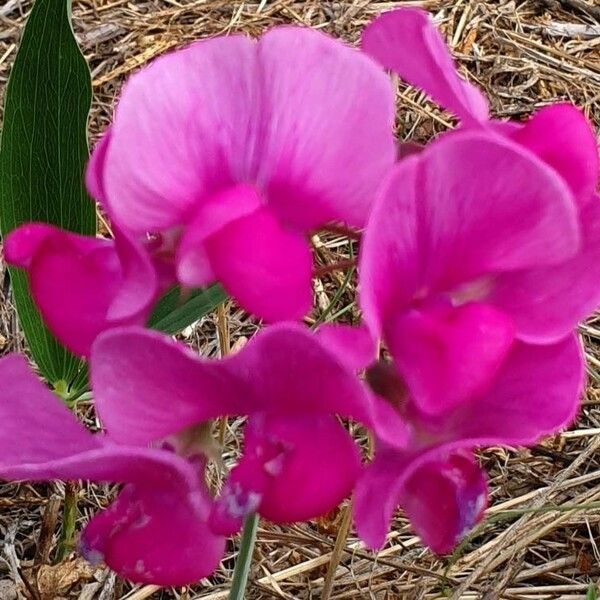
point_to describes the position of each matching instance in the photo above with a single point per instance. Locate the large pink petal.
(327, 119)
(155, 535)
(547, 303)
(293, 469)
(407, 42)
(355, 345)
(148, 387)
(83, 285)
(562, 137)
(266, 268)
(536, 393)
(447, 355)
(470, 205)
(181, 131)
(41, 439)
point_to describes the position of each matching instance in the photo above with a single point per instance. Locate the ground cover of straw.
(525, 54)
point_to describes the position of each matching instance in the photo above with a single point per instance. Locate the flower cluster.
(479, 256)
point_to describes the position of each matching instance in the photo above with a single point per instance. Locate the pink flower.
(407, 42)
(433, 475)
(235, 150)
(156, 531)
(298, 460)
(474, 243)
(156, 400)
(83, 285)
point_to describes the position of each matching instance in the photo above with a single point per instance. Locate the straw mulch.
(526, 54)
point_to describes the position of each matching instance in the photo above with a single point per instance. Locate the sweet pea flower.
(156, 530)
(84, 285)
(474, 243)
(156, 401)
(407, 42)
(232, 151)
(433, 475)
(298, 460)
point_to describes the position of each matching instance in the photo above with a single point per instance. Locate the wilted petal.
(265, 267)
(562, 137)
(449, 354)
(155, 535)
(293, 469)
(407, 42)
(327, 115)
(83, 285)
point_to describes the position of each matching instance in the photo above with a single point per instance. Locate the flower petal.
(327, 120)
(536, 393)
(265, 268)
(447, 355)
(562, 137)
(407, 42)
(442, 490)
(547, 303)
(148, 387)
(444, 498)
(353, 344)
(94, 174)
(469, 205)
(376, 497)
(193, 264)
(109, 283)
(293, 469)
(180, 133)
(154, 535)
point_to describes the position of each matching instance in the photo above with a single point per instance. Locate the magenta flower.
(83, 285)
(156, 530)
(433, 475)
(473, 243)
(156, 400)
(233, 151)
(406, 41)
(298, 460)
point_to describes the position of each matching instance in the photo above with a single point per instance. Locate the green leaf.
(174, 312)
(592, 593)
(42, 157)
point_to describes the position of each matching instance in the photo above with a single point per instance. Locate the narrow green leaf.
(42, 157)
(592, 593)
(173, 313)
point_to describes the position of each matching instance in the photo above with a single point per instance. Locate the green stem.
(66, 543)
(244, 559)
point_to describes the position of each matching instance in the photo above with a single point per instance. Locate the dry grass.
(525, 54)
